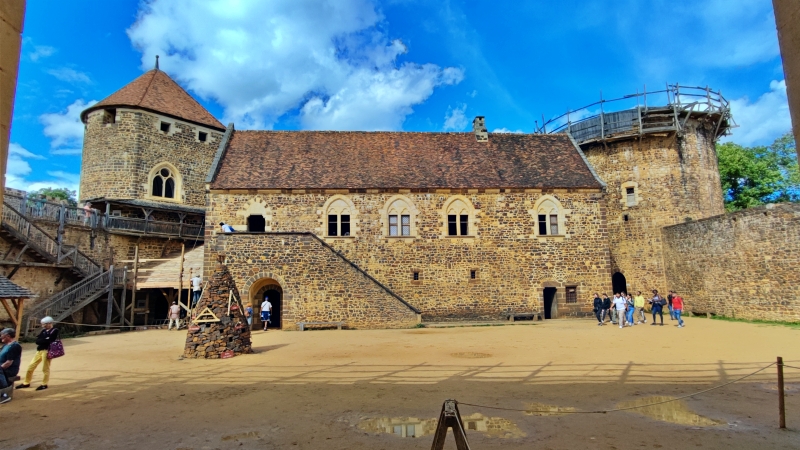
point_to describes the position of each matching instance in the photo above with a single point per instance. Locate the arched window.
(459, 217)
(549, 216)
(339, 218)
(399, 217)
(164, 182)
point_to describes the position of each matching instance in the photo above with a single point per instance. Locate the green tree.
(58, 194)
(753, 176)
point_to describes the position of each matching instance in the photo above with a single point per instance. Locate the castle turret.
(660, 166)
(148, 141)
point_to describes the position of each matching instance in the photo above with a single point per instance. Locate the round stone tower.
(148, 141)
(660, 167)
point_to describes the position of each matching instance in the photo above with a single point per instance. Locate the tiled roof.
(160, 206)
(10, 290)
(363, 160)
(156, 91)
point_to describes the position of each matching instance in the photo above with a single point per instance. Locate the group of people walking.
(629, 310)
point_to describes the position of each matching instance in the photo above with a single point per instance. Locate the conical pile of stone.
(219, 329)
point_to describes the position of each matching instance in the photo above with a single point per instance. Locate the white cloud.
(506, 130)
(762, 121)
(455, 119)
(18, 172)
(40, 51)
(328, 62)
(70, 75)
(65, 128)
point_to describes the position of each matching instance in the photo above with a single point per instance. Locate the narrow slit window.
(625, 217)
(631, 196)
(542, 225)
(393, 225)
(333, 225)
(345, 224)
(553, 224)
(452, 225)
(165, 127)
(406, 225)
(464, 225)
(416, 276)
(202, 136)
(473, 274)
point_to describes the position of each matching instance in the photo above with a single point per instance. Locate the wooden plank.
(11, 314)
(19, 315)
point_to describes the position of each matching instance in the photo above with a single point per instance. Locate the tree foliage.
(753, 176)
(58, 194)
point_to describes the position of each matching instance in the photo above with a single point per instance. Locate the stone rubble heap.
(230, 336)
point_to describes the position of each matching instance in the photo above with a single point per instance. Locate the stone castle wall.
(119, 157)
(512, 264)
(317, 285)
(743, 264)
(675, 179)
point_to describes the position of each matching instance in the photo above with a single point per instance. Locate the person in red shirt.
(677, 308)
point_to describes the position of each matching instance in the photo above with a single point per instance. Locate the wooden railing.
(45, 244)
(39, 209)
(63, 303)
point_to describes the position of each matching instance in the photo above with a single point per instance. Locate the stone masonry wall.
(512, 264)
(675, 179)
(743, 264)
(118, 157)
(317, 285)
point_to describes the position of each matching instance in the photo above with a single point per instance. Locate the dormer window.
(165, 127)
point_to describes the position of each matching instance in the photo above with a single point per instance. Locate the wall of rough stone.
(118, 157)
(743, 264)
(512, 264)
(317, 285)
(676, 179)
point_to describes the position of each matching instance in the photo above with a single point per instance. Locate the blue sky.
(393, 65)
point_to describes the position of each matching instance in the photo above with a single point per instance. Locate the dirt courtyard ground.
(376, 389)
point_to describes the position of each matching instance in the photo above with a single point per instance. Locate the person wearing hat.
(174, 316)
(10, 358)
(48, 335)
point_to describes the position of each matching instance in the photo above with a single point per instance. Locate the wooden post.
(450, 417)
(135, 276)
(110, 308)
(781, 405)
(124, 291)
(20, 302)
(190, 296)
(180, 276)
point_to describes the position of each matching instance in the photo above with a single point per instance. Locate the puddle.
(412, 427)
(470, 355)
(541, 409)
(673, 412)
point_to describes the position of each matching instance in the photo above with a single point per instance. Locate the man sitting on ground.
(10, 357)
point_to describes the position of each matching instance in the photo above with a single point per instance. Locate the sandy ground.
(345, 389)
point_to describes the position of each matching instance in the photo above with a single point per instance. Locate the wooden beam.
(6, 262)
(21, 303)
(8, 310)
(135, 275)
(13, 271)
(180, 273)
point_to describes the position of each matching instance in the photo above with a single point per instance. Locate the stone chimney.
(479, 128)
(219, 329)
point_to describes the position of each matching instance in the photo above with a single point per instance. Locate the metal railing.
(40, 209)
(63, 303)
(45, 244)
(669, 110)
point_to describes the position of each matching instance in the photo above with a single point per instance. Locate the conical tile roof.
(157, 92)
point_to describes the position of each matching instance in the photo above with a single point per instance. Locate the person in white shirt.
(266, 309)
(226, 228)
(620, 304)
(174, 316)
(196, 286)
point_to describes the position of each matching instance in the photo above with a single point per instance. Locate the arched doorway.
(619, 283)
(256, 224)
(272, 291)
